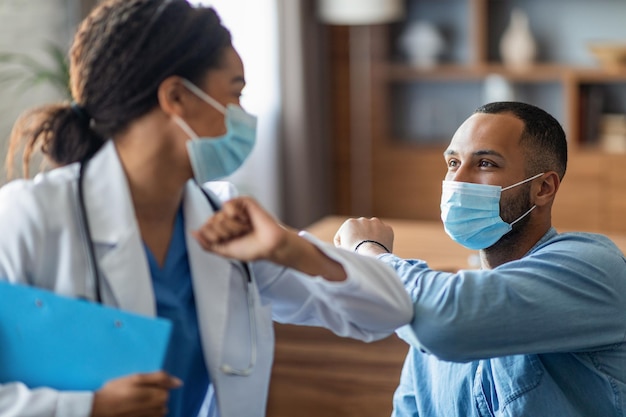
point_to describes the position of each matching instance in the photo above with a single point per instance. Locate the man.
(540, 329)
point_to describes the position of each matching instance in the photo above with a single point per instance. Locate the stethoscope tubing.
(95, 273)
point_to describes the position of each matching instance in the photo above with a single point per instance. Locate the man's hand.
(354, 231)
(138, 395)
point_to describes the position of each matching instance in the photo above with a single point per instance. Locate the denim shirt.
(540, 336)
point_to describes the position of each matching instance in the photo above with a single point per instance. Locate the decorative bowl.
(611, 55)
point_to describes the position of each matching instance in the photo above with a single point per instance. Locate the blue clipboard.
(48, 340)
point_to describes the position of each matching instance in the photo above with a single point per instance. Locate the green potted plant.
(23, 72)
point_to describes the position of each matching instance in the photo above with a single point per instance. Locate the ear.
(173, 97)
(546, 190)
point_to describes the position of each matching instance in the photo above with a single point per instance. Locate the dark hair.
(543, 137)
(120, 55)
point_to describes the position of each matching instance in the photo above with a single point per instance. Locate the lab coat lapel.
(115, 234)
(210, 277)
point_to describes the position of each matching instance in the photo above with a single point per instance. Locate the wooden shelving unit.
(415, 111)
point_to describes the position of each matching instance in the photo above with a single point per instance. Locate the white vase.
(422, 43)
(517, 46)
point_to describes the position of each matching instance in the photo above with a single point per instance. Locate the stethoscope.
(95, 273)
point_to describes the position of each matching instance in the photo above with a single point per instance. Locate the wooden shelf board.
(537, 73)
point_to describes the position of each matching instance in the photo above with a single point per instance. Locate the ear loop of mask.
(534, 205)
(523, 215)
(204, 96)
(523, 181)
(183, 125)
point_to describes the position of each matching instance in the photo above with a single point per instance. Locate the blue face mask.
(213, 158)
(471, 213)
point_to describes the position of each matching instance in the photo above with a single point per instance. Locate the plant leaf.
(32, 72)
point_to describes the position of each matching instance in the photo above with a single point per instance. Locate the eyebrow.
(451, 152)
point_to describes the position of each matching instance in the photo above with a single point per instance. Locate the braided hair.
(120, 55)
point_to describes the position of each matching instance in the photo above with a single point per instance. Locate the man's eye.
(485, 164)
(452, 163)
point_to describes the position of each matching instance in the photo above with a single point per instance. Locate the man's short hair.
(543, 138)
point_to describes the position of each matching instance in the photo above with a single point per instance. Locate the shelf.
(537, 73)
(598, 75)
(562, 29)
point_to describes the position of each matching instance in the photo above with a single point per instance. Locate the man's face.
(486, 150)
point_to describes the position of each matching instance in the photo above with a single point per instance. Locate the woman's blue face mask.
(471, 213)
(213, 158)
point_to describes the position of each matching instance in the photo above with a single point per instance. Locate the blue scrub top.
(175, 301)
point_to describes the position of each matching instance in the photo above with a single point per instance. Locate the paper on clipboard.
(70, 344)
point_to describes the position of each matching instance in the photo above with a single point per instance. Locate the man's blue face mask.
(471, 213)
(213, 158)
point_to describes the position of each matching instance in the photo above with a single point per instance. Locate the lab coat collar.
(210, 274)
(121, 255)
(115, 234)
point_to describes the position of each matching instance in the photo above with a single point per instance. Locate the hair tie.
(81, 112)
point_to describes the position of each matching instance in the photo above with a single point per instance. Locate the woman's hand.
(138, 395)
(243, 230)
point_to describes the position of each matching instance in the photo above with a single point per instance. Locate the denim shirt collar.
(549, 235)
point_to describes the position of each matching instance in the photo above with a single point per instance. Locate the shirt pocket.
(509, 380)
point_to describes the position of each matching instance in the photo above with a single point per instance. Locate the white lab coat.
(42, 243)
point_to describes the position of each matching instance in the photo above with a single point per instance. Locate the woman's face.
(223, 84)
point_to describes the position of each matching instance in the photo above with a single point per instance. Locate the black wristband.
(356, 248)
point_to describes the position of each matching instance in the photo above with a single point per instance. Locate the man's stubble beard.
(510, 210)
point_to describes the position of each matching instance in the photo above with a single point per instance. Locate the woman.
(156, 87)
